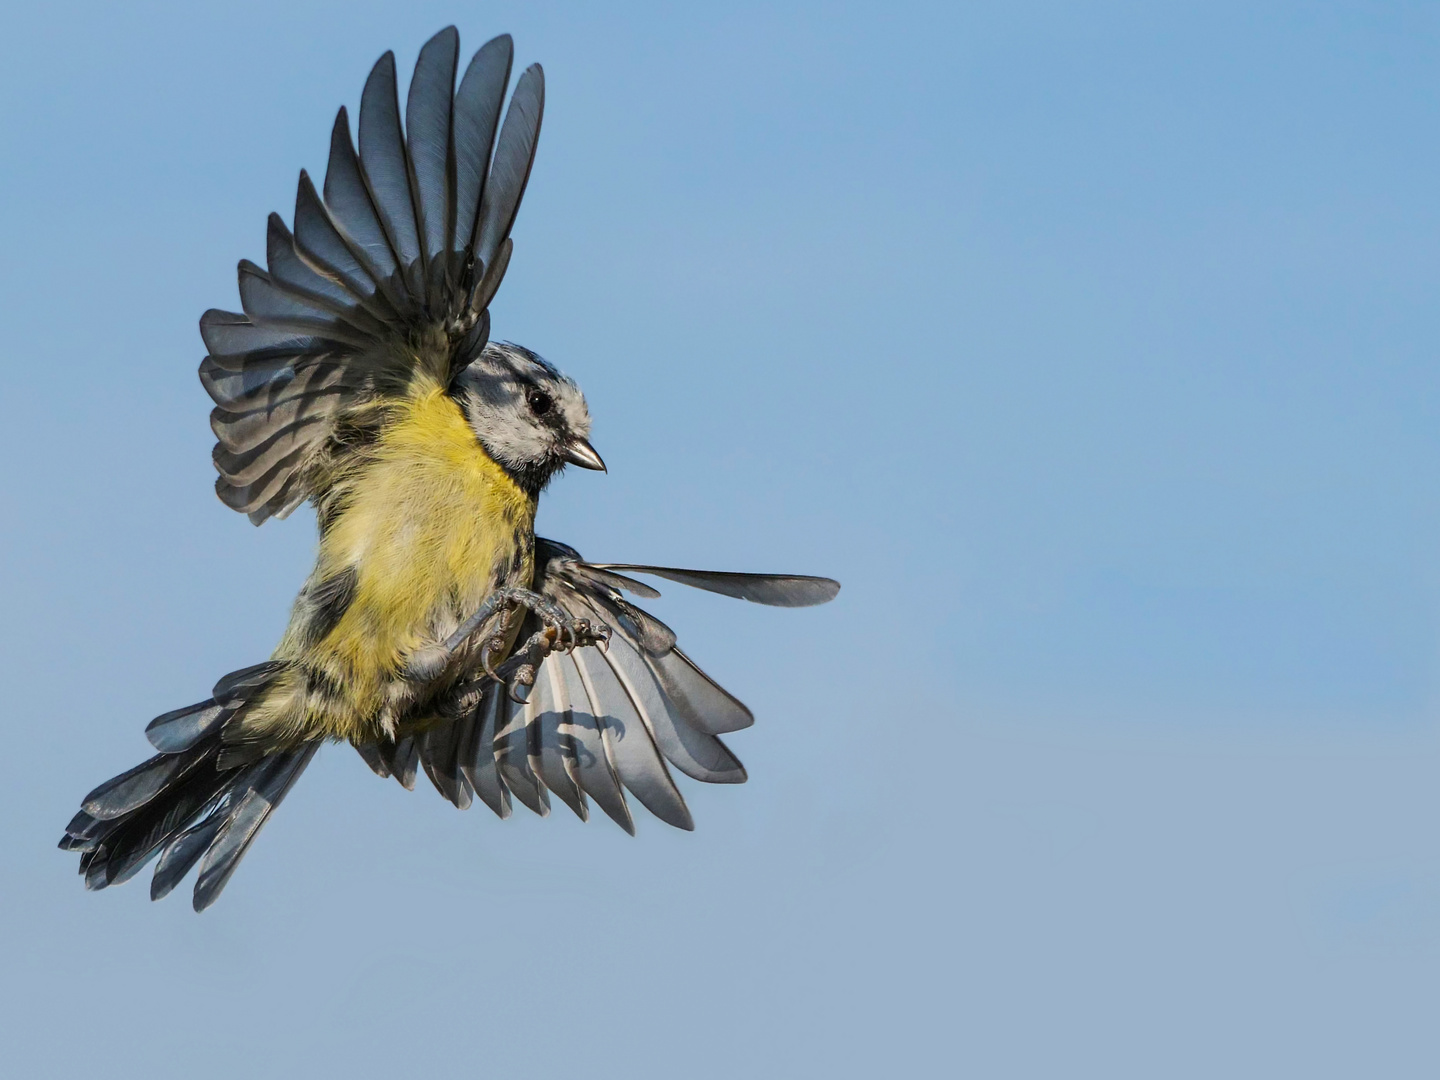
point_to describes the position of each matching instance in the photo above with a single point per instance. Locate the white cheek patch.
(500, 413)
(510, 436)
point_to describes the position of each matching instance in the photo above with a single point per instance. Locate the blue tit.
(436, 631)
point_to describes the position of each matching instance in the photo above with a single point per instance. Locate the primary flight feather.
(436, 631)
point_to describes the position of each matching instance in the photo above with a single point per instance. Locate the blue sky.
(1091, 346)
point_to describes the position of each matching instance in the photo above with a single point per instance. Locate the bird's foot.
(559, 632)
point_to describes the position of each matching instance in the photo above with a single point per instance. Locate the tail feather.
(143, 833)
(122, 795)
(181, 855)
(244, 814)
(180, 730)
(186, 804)
(81, 833)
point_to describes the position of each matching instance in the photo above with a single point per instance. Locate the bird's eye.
(539, 402)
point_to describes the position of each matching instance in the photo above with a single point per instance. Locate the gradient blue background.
(1092, 347)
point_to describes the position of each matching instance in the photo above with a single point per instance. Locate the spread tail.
(187, 804)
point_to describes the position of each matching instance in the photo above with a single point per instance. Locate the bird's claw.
(519, 689)
(558, 631)
(562, 632)
(494, 646)
(518, 673)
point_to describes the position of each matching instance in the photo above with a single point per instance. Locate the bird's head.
(528, 416)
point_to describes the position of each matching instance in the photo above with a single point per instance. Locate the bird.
(436, 631)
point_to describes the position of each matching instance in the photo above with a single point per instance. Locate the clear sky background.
(1093, 347)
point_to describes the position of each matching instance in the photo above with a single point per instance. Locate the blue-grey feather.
(427, 139)
(510, 169)
(180, 729)
(476, 117)
(774, 590)
(347, 197)
(385, 165)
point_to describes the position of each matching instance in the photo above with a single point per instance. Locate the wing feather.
(439, 757)
(477, 759)
(643, 705)
(775, 590)
(403, 760)
(287, 267)
(319, 241)
(251, 466)
(510, 171)
(628, 743)
(348, 199)
(234, 340)
(264, 300)
(268, 495)
(361, 278)
(384, 164)
(680, 730)
(692, 750)
(250, 400)
(370, 753)
(242, 431)
(691, 695)
(476, 117)
(704, 703)
(595, 772)
(262, 373)
(427, 139)
(512, 754)
(550, 742)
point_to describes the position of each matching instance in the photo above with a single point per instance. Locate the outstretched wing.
(599, 723)
(773, 590)
(385, 279)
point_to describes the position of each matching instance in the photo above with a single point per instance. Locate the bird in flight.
(436, 631)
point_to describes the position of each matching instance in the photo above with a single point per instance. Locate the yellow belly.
(431, 525)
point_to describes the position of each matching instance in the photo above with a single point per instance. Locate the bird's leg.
(563, 633)
(559, 630)
(549, 612)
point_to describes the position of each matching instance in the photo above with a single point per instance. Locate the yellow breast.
(430, 526)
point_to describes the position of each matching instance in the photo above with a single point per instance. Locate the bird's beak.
(578, 451)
